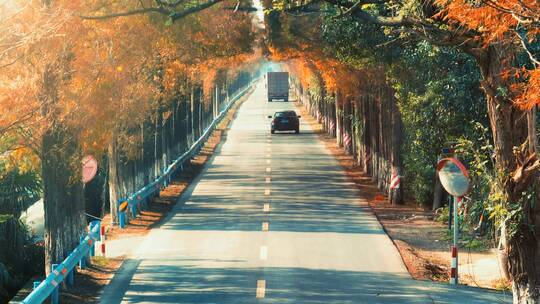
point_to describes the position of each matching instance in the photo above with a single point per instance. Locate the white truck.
(278, 85)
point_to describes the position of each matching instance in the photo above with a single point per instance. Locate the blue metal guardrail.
(65, 270)
(86, 248)
(134, 202)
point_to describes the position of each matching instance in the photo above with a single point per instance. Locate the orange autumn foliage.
(507, 22)
(312, 66)
(120, 69)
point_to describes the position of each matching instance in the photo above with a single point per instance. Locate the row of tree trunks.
(368, 126)
(164, 136)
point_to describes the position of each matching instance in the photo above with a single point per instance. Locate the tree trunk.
(61, 168)
(339, 120)
(510, 130)
(396, 196)
(114, 182)
(158, 148)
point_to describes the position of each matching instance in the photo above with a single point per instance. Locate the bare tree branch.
(163, 8)
(189, 11)
(535, 61)
(127, 13)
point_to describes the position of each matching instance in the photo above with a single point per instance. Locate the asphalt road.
(273, 219)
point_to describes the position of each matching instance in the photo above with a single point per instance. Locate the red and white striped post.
(454, 269)
(394, 181)
(102, 240)
(347, 140)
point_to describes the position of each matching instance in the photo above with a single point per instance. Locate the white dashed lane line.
(264, 253)
(261, 284)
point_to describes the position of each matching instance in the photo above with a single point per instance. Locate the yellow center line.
(268, 161)
(265, 226)
(266, 207)
(268, 180)
(268, 170)
(261, 289)
(266, 191)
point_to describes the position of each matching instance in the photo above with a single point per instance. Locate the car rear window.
(286, 114)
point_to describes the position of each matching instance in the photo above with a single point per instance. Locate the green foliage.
(441, 215)
(18, 191)
(440, 101)
(477, 152)
(356, 44)
(20, 257)
(473, 243)
(5, 217)
(437, 90)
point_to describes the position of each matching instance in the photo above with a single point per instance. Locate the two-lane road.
(272, 219)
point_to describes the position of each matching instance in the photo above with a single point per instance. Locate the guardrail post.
(82, 261)
(91, 228)
(54, 294)
(134, 211)
(70, 275)
(122, 219)
(92, 251)
(70, 278)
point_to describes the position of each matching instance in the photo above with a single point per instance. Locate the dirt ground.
(90, 281)
(421, 241)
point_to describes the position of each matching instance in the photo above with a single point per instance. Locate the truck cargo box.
(278, 85)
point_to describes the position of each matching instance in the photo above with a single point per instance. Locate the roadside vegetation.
(408, 79)
(133, 92)
(134, 83)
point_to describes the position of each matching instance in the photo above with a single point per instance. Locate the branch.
(164, 8)
(127, 13)
(241, 8)
(189, 11)
(362, 14)
(425, 28)
(535, 61)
